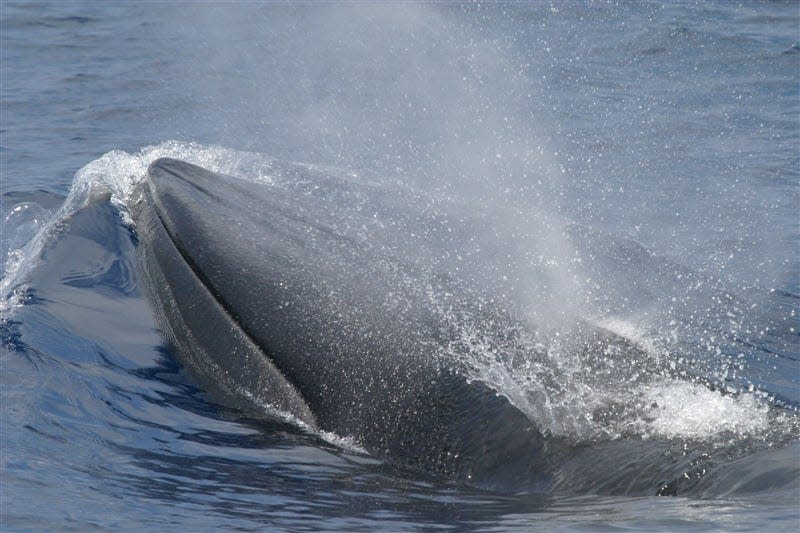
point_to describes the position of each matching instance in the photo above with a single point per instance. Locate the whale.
(347, 308)
(262, 292)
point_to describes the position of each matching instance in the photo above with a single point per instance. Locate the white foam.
(687, 410)
(347, 443)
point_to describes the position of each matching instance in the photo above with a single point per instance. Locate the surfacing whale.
(349, 308)
(257, 290)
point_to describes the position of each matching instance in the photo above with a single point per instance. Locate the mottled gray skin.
(258, 290)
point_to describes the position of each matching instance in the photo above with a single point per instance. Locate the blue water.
(646, 157)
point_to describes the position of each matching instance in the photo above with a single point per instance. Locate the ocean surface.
(634, 166)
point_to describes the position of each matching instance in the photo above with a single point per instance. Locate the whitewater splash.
(592, 386)
(573, 382)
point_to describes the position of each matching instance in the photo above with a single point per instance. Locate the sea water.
(644, 157)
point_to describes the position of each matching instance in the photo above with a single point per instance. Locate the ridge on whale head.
(261, 293)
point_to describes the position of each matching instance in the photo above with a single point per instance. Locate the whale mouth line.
(185, 255)
(182, 326)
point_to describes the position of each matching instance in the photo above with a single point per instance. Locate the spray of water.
(415, 97)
